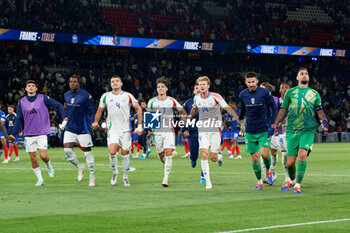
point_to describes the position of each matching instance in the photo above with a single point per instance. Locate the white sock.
(114, 163)
(90, 160)
(137, 154)
(284, 164)
(37, 172)
(260, 181)
(205, 169)
(72, 157)
(167, 165)
(126, 165)
(48, 165)
(263, 167)
(297, 185)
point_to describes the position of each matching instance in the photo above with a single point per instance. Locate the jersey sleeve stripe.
(173, 102)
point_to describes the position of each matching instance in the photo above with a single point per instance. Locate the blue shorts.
(226, 134)
(135, 137)
(235, 134)
(184, 138)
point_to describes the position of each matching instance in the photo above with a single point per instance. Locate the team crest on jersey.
(309, 95)
(252, 100)
(72, 100)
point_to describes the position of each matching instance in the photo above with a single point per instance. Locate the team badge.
(252, 100)
(72, 100)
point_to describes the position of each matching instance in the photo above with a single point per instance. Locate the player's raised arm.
(232, 113)
(193, 112)
(100, 109)
(98, 114)
(138, 110)
(51, 102)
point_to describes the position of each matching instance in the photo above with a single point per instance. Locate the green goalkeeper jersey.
(301, 104)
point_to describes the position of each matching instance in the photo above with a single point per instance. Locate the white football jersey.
(210, 107)
(118, 108)
(165, 108)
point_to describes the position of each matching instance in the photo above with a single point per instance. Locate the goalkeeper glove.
(324, 123)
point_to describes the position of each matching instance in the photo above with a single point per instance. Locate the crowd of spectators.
(250, 21)
(139, 70)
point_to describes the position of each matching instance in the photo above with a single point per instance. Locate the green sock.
(267, 163)
(301, 170)
(257, 169)
(291, 172)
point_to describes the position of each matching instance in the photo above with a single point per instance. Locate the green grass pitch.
(64, 205)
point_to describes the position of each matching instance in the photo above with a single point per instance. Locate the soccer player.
(282, 130)
(226, 134)
(234, 132)
(80, 113)
(9, 123)
(274, 143)
(2, 137)
(165, 136)
(118, 103)
(143, 137)
(256, 103)
(302, 102)
(32, 110)
(192, 132)
(208, 105)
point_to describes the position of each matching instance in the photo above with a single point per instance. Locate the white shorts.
(283, 142)
(35, 143)
(275, 141)
(84, 140)
(164, 141)
(123, 139)
(210, 139)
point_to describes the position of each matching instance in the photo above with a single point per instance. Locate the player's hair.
(142, 100)
(32, 81)
(117, 76)
(203, 78)
(267, 85)
(251, 74)
(11, 106)
(162, 80)
(284, 84)
(80, 81)
(302, 68)
(196, 84)
(232, 103)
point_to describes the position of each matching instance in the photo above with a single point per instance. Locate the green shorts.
(299, 140)
(253, 142)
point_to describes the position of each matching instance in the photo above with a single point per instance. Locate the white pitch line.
(290, 225)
